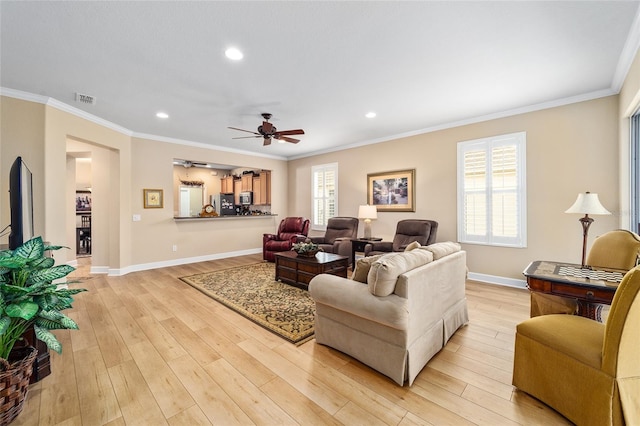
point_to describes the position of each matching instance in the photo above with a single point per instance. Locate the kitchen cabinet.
(237, 189)
(247, 182)
(265, 187)
(226, 185)
(256, 190)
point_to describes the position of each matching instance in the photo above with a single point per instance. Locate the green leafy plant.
(29, 297)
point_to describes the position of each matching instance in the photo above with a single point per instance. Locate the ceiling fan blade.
(286, 139)
(242, 130)
(291, 132)
(247, 137)
(267, 141)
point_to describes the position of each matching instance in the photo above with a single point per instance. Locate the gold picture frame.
(153, 198)
(392, 191)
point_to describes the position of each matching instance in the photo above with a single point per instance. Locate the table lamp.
(367, 213)
(586, 203)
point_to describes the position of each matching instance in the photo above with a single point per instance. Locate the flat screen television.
(21, 204)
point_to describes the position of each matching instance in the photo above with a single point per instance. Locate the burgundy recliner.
(290, 231)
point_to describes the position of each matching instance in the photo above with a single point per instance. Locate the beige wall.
(22, 134)
(157, 232)
(570, 149)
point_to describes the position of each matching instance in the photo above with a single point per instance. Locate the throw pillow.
(385, 271)
(413, 245)
(362, 267)
(441, 250)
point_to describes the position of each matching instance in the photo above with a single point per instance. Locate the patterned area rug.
(253, 292)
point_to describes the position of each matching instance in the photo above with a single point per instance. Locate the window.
(492, 191)
(324, 187)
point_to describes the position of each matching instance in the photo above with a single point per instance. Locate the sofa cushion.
(441, 250)
(361, 270)
(385, 271)
(413, 245)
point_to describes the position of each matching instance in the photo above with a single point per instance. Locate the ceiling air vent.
(85, 99)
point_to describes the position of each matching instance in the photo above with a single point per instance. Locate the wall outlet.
(174, 247)
(137, 218)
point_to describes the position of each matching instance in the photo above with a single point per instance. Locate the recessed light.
(233, 54)
(162, 115)
(370, 114)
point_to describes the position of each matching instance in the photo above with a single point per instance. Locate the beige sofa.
(410, 305)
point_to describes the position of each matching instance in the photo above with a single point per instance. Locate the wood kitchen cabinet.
(226, 185)
(237, 189)
(247, 182)
(265, 187)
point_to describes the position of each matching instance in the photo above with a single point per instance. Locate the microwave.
(246, 198)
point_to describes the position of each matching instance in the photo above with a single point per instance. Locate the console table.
(589, 287)
(298, 270)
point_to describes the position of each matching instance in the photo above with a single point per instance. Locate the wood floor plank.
(134, 396)
(167, 389)
(98, 402)
(257, 405)
(211, 398)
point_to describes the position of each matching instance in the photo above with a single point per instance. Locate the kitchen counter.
(226, 217)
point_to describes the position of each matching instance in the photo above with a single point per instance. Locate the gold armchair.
(587, 371)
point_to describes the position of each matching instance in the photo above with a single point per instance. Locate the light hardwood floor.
(152, 350)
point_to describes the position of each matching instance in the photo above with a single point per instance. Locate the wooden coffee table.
(298, 271)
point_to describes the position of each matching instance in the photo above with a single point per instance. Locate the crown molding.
(54, 103)
(503, 114)
(627, 55)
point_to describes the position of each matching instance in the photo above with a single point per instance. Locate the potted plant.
(306, 249)
(29, 298)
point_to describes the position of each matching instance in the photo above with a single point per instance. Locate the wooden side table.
(591, 288)
(358, 245)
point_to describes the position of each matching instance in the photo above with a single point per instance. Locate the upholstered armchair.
(337, 238)
(617, 249)
(587, 371)
(290, 231)
(407, 231)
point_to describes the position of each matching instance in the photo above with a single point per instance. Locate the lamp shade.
(587, 203)
(367, 212)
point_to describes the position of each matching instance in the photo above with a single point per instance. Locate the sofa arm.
(299, 238)
(378, 246)
(342, 246)
(267, 237)
(353, 297)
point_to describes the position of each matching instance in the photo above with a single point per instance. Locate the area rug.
(253, 292)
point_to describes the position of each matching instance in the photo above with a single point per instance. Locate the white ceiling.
(314, 65)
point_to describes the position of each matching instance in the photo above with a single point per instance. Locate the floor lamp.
(586, 203)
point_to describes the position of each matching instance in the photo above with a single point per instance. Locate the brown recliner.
(407, 231)
(290, 231)
(337, 238)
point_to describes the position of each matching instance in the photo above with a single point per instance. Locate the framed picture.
(153, 199)
(83, 202)
(392, 191)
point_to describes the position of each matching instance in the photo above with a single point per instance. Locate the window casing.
(492, 191)
(324, 190)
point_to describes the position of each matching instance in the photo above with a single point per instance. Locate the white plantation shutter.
(324, 188)
(491, 191)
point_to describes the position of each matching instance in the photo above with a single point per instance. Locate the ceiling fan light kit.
(267, 131)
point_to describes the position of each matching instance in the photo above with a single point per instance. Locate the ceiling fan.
(268, 131)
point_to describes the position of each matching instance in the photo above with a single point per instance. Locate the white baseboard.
(496, 280)
(175, 262)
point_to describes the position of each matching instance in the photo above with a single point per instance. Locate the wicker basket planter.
(14, 382)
